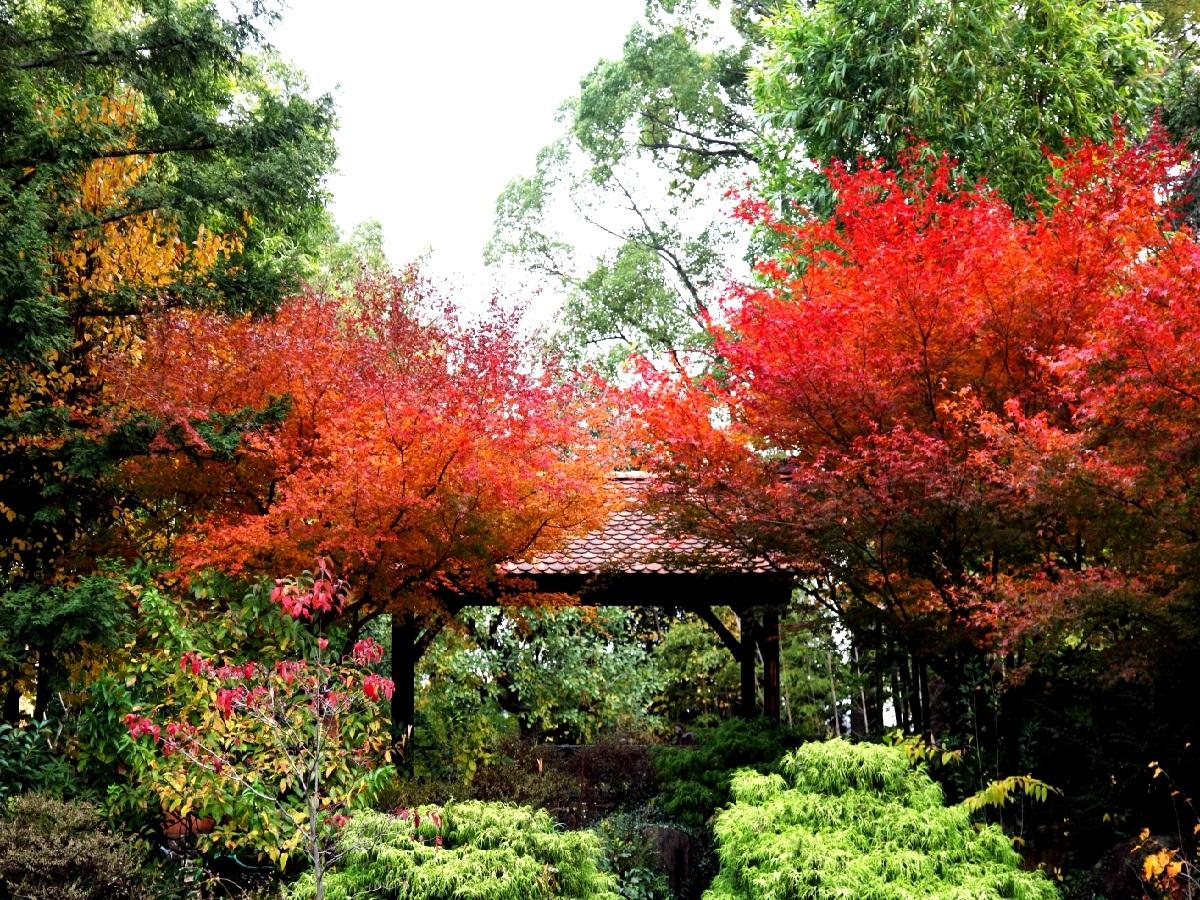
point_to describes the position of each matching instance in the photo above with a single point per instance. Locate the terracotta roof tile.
(633, 540)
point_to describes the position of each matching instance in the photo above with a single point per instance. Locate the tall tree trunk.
(837, 713)
(404, 675)
(45, 683)
(864, 713)
(898, 707)
(926, 705)
(914, 695)
(878, 693)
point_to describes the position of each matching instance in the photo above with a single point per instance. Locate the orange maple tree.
(414, 450)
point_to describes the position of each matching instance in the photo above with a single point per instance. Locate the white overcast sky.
(441, 104)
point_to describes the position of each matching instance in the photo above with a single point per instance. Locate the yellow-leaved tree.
(116, 258)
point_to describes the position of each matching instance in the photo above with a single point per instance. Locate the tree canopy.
(414, 450)
(153, 155)
(993, 85)
(705, 98)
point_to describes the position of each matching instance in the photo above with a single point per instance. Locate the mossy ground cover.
(843, 821)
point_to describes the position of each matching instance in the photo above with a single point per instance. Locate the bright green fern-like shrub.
(463, 851)
(857, 821)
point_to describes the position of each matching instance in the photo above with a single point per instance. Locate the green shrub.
(52, 850)
(577, 785)
(464, 851)
(29, 762)
(696, 779)
(845, 820)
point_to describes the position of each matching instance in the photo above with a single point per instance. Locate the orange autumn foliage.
(415, 451)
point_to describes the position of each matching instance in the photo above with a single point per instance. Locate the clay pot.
(176, 826)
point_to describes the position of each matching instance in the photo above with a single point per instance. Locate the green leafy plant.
(1003, 790)
(919, 750)
(301, 741)
(559, 675)
(856, 820)
(30, 761)
(462, 851)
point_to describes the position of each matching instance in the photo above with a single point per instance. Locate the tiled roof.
(634, 542)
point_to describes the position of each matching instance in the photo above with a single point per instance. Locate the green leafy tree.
(993, 84)
(651, 143)
(707, 96)
(699, 676)
(43, 630)
(153, 153)
(235, 143)
(562, 675)
(343, 259)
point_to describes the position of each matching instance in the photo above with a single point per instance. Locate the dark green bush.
(695, 779)
(28, 761)
(845, 820)
(629, 856)
(577, 785)
(55, 850)
(464, 851)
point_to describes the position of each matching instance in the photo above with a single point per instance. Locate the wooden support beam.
(405, 634)
(710, 618)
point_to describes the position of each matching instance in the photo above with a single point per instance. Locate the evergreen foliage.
(562, 675)
(855, 820)
(465, 851)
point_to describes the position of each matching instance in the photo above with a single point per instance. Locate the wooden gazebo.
(636, 560)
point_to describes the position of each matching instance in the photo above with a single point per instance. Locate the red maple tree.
(963, 425)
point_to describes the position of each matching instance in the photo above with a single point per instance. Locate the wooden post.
(768, 645)
(748, 707)
(12, 704)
